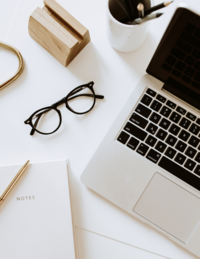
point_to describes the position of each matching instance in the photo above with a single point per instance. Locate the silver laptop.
(149, 162)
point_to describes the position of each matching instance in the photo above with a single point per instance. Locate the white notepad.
(35, 218)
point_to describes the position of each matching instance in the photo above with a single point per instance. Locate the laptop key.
(170, 152)
(197, 170)
(193, 141)
(151, 141)
(155, 118)
(164, 123)
(171, 104)
(165, 111)
(191, 152)
(180, 66)
(178, 53)
(144, 111)
(174, 129)
(142, 149)
(176, 73)
(189, 71)
(151, 92)
(180, 158)
(161, 98)
(181, 146)
(194, 129)
(197, 158)
(198, 121)
(191, 116)
(181, 110)
(180, 172)
(184, 135)
(138, 120)
(171, 140)
(171, 60)
(123, 137)
(175, 117)
(135, 131)
(146, 100)
(196, 53)
(153, 156)
(184, 46)
(190, 164)
(161, 134)
(160, 147)
(167, 67)
(133, 143)
(190, 60)
(156, 106)
(185, 123)
(190, 39)
(152, 128)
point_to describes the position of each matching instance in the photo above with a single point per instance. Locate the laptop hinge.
(182, 93)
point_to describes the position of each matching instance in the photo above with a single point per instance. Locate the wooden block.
(58, 31)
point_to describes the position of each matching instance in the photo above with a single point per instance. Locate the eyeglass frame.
(62, 101)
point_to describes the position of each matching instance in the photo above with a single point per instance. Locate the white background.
(45, 81)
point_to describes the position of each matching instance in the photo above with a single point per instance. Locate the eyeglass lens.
(82, 101)
(46, 120)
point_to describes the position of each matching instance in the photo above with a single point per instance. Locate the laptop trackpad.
(169, 207)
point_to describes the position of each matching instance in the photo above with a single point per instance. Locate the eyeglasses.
(48, 120)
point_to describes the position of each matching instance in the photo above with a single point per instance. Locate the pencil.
(157, 7)
(13, 182)
(145, 19)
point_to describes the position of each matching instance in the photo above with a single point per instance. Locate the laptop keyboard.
(166, 134)
(183, 61)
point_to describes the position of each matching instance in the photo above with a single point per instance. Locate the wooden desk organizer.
(58, 31)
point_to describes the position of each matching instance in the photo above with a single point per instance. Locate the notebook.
(35, 218)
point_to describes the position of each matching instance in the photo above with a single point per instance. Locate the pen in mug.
(145, 19)
(157, 7)
(152, 9)
(140, 9)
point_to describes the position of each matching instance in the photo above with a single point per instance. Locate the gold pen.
(13, 182)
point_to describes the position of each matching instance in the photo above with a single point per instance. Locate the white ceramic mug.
(124, 37)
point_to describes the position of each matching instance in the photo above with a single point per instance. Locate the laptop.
(149, 161)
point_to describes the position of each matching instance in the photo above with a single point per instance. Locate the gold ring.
(20, 68)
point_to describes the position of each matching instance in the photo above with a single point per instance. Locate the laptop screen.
(176, 61)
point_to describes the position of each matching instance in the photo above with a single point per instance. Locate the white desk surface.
(115, 74)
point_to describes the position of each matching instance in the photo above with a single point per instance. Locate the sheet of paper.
(93, 246)
(90, 211)
(35, 218)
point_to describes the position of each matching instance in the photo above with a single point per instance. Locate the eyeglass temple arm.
(35, 124)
